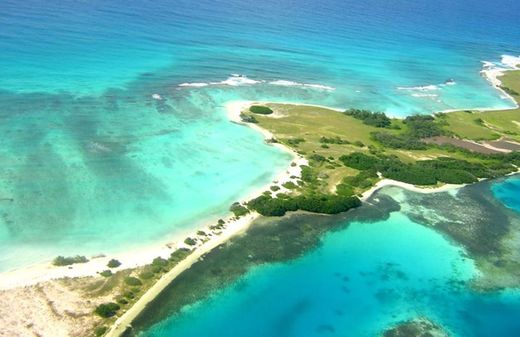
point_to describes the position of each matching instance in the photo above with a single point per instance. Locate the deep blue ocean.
(115, 134)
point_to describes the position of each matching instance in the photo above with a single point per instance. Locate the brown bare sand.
(55, 308)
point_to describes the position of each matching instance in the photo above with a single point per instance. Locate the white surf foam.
(287, 83)
(319, 86)
(425, 95)
(430, 87)
(195, 84)
(236, 80)
(510, 61)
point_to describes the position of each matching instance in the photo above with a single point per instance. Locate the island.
(340, 158)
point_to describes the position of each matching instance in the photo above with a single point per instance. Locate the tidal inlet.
(271, 169)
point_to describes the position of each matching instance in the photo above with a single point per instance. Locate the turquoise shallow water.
(359, 281)
(507, 192)
(89, 158)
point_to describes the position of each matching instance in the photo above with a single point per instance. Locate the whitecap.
(195, 84)
(319, 86)
(487, 65)
(157, 97)
(287, 83)
(240, 80)
(237, 80)
(425, 95)
(430, 87)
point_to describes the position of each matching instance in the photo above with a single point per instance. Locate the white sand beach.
(389, 182)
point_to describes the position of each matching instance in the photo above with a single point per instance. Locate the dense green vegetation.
(179, 255)
(260, 109)
(67, 261)
(417, 128)
(238, 209)
(377, 119)
(427, 172)
(422, 126)
(106, 310)
(363, 180)
(321, 203)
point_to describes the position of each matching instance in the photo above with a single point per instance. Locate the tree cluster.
(418, 128)
(68, 260)
(426, 172)
(260, 109)
(376, 119)
(319, 203)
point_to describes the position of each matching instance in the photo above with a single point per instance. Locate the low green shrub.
(376, 119)
(260, 109)
(179, 254)
(113, 263)
(66, 261)
(238, 209)
(100, 331)
(146, 275)
(289, 185)
(121, 300)
(106, 310)
(133, 281)
(106, 273)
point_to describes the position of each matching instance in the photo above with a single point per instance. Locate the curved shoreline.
(141, 256)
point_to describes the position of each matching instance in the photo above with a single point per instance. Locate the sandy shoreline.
(424, 190)
(41, 272)
(123, 322)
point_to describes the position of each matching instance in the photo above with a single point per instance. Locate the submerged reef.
(268, 240)
(474, 218)
(470, 216)
(420, 327)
